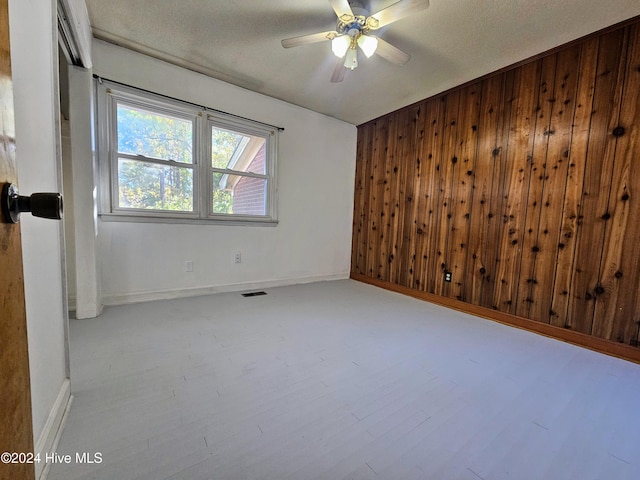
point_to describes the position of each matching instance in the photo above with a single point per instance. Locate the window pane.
(237, 151)
(237, 194)
(142, 132)
(155, 187)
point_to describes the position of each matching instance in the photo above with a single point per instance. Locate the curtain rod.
(100, 79)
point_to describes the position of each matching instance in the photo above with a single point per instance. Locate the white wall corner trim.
(138, 297)
(53, 428)
(72, 301)
(87, 272)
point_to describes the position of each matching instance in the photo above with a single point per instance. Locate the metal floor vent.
(253, 294)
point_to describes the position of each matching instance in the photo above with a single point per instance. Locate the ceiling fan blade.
(338, 72)
(341, 7)
(391, 53)
(307, 39)
(398, 10)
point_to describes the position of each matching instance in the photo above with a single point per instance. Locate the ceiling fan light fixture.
(368, 44)
(352, 32)
(351, 59)
(340, 45)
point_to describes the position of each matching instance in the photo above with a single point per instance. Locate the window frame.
(110, 94)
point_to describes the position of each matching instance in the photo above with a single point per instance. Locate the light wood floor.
(340, 380)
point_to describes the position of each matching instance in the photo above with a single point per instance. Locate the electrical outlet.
(188, 266)
(447, 276)
(238, 257)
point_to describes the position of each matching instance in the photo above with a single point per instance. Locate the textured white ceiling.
(451, 42)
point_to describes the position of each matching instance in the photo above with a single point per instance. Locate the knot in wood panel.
(618, 131)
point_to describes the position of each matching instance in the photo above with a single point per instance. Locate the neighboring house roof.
(243, 155)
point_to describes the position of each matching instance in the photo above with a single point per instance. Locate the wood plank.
(376, 203)
(359, 202)
(530, 249)
(480, 267)
(365, 214)
(447, 165)
(498, 200)
(628, 313)
(399, 186)
(615, 317)
(462, 194)
(415, 277)
(575, 178)
(410, 176)
(557, 162)
(387, 212)
(369, 190)
(516, 184)
(391, 197)
(428, 211)
(597, 181)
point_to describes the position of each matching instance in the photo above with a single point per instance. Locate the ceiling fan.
(354, 30)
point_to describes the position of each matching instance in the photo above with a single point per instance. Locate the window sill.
(141, 218)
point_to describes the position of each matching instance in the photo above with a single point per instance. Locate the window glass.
(151, 186)
(238, 194)
(236, 151)
(154, 135)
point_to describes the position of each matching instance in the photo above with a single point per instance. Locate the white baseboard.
(53, 428)
(138, 297)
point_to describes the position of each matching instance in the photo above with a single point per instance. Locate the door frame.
(16, 432)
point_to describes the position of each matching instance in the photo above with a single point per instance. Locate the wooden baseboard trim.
(601, 345)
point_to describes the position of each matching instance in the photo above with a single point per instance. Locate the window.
(154, 164)
(172, 161)
(238, 172)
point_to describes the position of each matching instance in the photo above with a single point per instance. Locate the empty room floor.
(338, 380)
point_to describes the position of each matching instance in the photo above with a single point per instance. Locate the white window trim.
(203, 119)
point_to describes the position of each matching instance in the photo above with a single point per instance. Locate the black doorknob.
(45, 205)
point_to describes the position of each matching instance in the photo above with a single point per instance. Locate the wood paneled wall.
(524, 184)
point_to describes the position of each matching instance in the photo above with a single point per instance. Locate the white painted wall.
(34, 58)
(316, 168)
